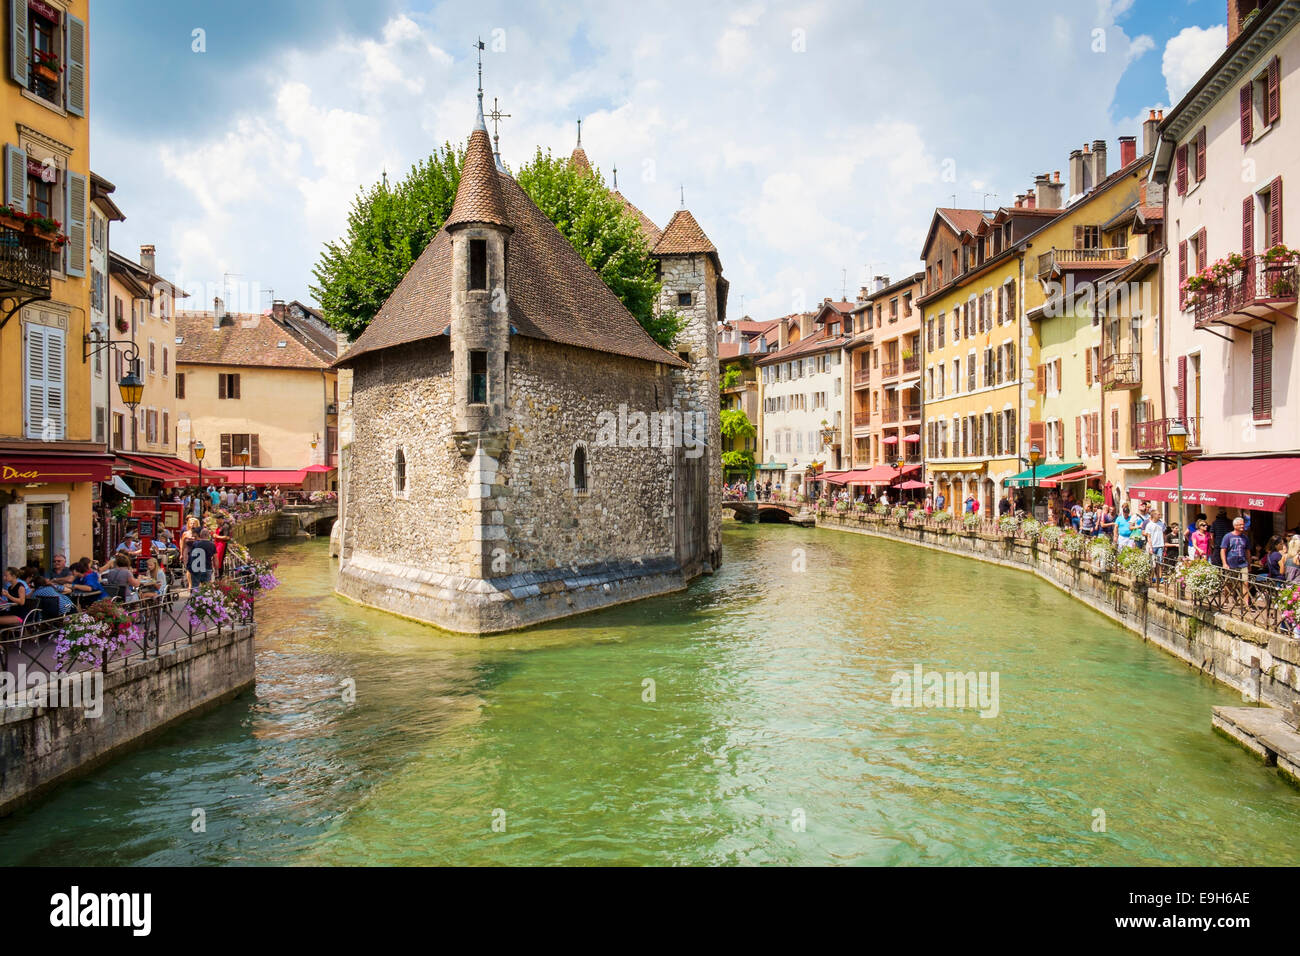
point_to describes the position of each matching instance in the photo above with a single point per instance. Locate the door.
(40, 536)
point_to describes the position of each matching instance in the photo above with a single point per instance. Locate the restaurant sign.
(53, 469)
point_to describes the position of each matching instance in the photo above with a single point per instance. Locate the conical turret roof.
(478, 197)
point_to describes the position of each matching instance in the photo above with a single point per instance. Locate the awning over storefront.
(1080, 475)
(961, 466)
(170, 472)
(54, 468)
(771, 466)
(1029, 475)
(262, 476)
(1261, 484)
(855, 477)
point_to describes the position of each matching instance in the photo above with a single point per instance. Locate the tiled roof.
(683, 237)
(553, 294)
(813, 343)
(243, 339)
(648, 228)
(751, 327)
(963, 220)
(478, 196)
(578, 160)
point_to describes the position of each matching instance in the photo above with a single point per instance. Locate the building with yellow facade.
(51, 462)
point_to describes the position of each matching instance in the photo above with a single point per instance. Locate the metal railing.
(164, 621)
(862, 376)
(911, 411)
(861, 418)
(912, 364)
(1150, 436)
(1259, 282)
(1121, 370)
(1051, 260)
(26, 261)
(888, 369)
(890, 414)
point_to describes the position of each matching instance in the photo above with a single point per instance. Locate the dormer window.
(478, 264)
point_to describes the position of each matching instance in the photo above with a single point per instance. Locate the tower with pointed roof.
(520, 450)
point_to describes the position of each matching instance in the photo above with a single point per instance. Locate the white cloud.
(1188, 55)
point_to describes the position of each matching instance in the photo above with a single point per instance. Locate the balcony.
(890, 414)
(861, 377)
(861, 418)
(1261, 290)
(1121, 370)
(1056, 260)
(889, 369)
(911, 411)
(1150, 437)
(26, 261)
(912, 364)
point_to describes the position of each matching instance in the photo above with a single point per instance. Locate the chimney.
(218, 312)
(826, 301)
(1149, 128)
(1048, 192)
(782, 334)
(1030, 200)
(806, 324)
(278, 309)
(148, 259)
(881, 282)
(1076, 173)
(1098, 161)
(1020, 200)
(1127, 150)
(1238, 11)
(864, 293)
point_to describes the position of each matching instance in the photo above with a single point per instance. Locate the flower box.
(46, 73)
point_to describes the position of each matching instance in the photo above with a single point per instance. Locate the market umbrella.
(912, 438)
(889, 440)
(912, 485)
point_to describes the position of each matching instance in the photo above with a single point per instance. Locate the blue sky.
(813, 139)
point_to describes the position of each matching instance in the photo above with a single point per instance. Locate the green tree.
(388, 228)
(735, 424)
(604, 233)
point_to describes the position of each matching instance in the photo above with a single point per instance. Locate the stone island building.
(517, 449)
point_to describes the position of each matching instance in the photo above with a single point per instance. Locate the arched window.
(399, 472)
(580, 470)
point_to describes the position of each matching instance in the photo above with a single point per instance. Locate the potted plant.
(11, 218)
(46, 65)
(44, 227)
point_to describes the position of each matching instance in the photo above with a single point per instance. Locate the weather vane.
(496, 116)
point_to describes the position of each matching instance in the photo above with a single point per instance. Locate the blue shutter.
(16, 177)
(75, 77)
(18, 42)
(54, 426)
(76, 224)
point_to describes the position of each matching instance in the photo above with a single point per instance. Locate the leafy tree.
(388, 228)
(604, 233)
(730, 376)
(742, 461)
(734, 424)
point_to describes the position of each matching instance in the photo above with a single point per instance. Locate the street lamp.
(1176, 438)
(242, 458)
(1035, 456)
(130, 386)
(198, 454)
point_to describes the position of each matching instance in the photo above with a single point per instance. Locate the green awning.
(1027, 476)
(772, 466)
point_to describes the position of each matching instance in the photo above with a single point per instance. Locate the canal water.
(768, 734)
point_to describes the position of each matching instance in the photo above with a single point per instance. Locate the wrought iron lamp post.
(199, 451)
(1035, 456)
(1176, 439)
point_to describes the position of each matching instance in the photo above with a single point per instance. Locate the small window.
(580, 470)
(180, 384)
(684, 356)
(478, 379)
(228, 386)
(478, 263)
(684, 299)
(399, 472)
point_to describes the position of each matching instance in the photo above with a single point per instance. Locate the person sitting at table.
(60, 573)
(15, 594)
(122, 576)
(87, 589)
(130, 545)
(42, 587)
(155, 580)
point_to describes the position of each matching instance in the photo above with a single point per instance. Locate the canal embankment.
(1264, 666)
(87, 718)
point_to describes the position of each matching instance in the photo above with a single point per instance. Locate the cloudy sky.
(813, 140)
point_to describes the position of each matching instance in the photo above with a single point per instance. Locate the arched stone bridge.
(763, 511)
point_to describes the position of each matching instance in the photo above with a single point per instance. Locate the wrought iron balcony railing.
(1150, 436)
(861, 376)
(888, 369)
(1054, 259)
(1261, 286)
(861, 418)
(912, 364)
(1121, 370)
(890, 414)
(26, 262)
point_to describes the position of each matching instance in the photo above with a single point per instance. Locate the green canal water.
(771, 737)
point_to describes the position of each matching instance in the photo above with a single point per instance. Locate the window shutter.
(1001, 434)
(180, 384)
(1094, 440)
(225, 450)
(1181, 162)
(1114, 429)
(76, 63)
(55, 394)
(1275, 212)
(1202, 251)
(16, 171)
(1248, 225)
(18, 42)
(1182, 274)
(167, 430)
(76, 217)
(1200, 154)
(1042, 379)
(1182, 388)
(1273, 92)
(34, 380)
(1262, 362)
(1078, 434)
(1059, 381)
(221, 386)
(255, 452)
(1247, 96)
(1011, 300)
(1087, 368)
(234, 381)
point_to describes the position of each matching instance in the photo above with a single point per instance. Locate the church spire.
(479, 122)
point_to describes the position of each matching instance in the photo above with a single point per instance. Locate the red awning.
(171, 472)
(54, 468)
(911, 485)
(262, 476)
(857, 477)
(1261, 484)
(315, 469)
(1081, 474)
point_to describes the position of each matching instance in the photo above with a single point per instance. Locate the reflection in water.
(771, 705)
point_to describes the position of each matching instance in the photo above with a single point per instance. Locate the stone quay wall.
(1234, 652)
(43, 746)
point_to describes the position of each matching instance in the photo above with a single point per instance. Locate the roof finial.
(616, 177)
(479, 123)
(385, 175)
(683, 195)
(496, 116)
(579, 146)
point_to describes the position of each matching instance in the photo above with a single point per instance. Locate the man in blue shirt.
(1235, 555)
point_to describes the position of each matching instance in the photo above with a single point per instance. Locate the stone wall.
(43, 746)
(1238, 654)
